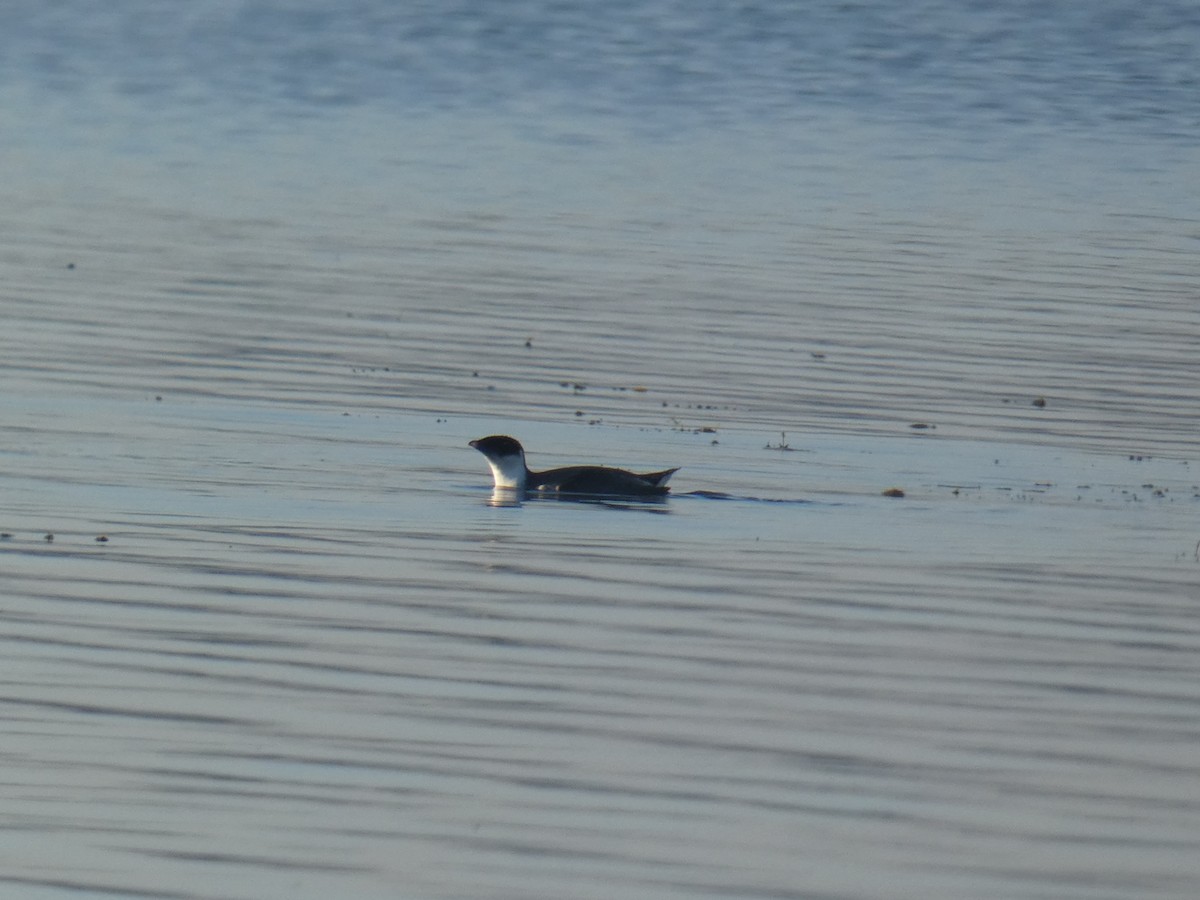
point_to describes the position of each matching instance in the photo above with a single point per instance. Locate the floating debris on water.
(782, 445)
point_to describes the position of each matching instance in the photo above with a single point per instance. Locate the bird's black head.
(496, 446)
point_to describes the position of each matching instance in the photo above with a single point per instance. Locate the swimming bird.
(506, 457)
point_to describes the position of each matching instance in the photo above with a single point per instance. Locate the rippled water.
(267, 269)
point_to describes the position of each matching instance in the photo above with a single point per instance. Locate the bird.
(506, 457)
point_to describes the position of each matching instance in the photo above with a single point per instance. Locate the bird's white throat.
(509, 471)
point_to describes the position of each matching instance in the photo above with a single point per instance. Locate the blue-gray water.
(267, 267)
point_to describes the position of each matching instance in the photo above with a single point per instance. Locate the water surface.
(266, 270)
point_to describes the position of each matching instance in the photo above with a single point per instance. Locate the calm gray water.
(266, 268)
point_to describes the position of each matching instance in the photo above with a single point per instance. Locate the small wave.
(721, 495)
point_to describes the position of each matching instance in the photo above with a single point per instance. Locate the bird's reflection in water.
(509, 497)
